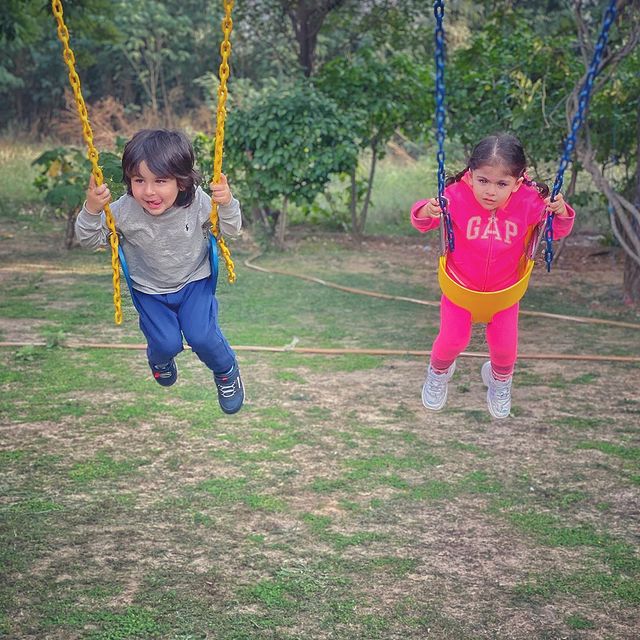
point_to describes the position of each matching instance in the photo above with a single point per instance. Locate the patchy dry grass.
(332, 506)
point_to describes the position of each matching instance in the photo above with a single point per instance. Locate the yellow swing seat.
(483, 305)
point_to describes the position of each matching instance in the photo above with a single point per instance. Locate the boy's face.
(492, 186)
(153, 193)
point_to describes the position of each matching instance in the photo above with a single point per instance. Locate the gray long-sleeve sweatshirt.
(164, 252)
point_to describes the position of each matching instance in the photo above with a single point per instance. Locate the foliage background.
(511, 66)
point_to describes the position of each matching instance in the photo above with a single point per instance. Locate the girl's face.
(152, 192)
(492, 186)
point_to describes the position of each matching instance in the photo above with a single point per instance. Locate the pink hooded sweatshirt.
(489, 246)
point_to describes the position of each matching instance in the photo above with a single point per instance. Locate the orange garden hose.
(73, 344)
(432, 303)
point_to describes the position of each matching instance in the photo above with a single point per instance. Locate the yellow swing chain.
(92, 152)
(221, 114)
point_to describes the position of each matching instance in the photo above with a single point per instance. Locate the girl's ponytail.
(456, 178)
(541, 187)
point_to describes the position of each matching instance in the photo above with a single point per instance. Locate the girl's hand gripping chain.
(430, 210)
(558, 206)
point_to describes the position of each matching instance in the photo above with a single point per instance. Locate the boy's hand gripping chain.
(578, 118)
(221, 114)
(446, 230)
(92, 152)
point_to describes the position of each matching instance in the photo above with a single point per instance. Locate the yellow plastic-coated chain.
(92, 152)
(221, 114)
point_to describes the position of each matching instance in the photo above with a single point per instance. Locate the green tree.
(382, 93)
(32, 74)
(305, 34)
(609, 143)
(511, 78)
(285, 146)
(154, 41)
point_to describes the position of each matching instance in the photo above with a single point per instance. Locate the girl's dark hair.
(168, 154)
(500, 149)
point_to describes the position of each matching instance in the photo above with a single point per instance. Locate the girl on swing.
(493, 207)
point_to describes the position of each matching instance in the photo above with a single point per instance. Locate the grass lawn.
(332, 506)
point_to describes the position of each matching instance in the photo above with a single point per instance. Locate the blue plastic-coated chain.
(578, 118)
(438, 10)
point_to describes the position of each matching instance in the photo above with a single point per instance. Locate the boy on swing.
(163, 226)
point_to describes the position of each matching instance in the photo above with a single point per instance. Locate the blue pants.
(192, 312)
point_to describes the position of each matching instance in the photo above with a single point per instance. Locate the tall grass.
(397, 185)
(17, 174)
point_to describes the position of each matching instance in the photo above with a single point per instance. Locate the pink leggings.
(455, 333)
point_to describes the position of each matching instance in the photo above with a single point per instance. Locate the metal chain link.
(221, 114)
(446, 228)
(92, 152)
(578, 119)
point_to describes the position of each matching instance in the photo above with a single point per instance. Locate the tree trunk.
(571, 189)
(153, 67)
(353, 201)
(625, 213)
(281, 227)
(138, 71)
(631, 278)
(166, 102)
(258, 213)
(361, 220)
(306, 18)
(69, 233)
(631, 281)
(307, 40)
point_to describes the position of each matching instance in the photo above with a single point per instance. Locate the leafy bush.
(64, 176)
(284, 147)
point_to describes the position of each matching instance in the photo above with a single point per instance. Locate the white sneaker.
(498, 393)
(434, 390)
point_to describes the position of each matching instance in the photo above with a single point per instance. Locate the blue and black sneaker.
(230, 389)
(165, 374)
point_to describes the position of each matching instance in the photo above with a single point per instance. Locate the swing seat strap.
(125, 269)
(213, 258)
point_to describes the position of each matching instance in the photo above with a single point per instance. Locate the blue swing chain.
(578, 118)
(438, 10)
